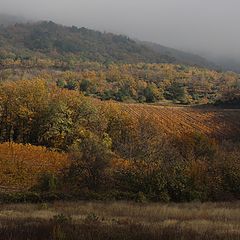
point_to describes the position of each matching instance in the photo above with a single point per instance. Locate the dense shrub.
(21, 166)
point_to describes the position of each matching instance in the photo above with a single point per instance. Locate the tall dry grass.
(120, 220)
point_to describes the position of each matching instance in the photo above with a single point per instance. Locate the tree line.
(144, 83)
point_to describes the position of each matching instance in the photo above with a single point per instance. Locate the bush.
(47, 183)
(92, 218)
(90, 159)
(141, 198)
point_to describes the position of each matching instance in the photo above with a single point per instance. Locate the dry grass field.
(120, 220)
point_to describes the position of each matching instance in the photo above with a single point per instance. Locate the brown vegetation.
(120, 220)
(21, 166)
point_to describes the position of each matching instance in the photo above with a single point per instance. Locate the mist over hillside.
(162, 53)
(7, 20)
(205, 28)
(48, 38)
(181, 56)
(81, 44)
(228, 64)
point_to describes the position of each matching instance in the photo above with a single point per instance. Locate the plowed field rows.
(218, 123)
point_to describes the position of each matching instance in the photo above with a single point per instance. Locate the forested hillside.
(107, 136)
(90, 115)
(103, 150)
(111, 67)
(51, 40)
(81, 44)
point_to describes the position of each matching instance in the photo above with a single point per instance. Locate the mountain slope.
(48, 39)
(57, 41)
(180, 57)
(229, 64)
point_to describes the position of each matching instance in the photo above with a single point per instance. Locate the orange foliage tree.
(22, 165)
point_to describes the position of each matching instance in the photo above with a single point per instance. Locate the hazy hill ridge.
(57, 41)
(180, 57)
(7, 20)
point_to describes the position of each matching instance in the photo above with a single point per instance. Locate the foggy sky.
(206, 27)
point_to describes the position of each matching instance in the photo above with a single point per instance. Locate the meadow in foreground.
(120, 220)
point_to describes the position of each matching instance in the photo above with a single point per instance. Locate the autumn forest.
(99, 116)
(106, 136)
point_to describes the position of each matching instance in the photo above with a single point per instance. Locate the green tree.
(177, 92)
(57, 125)
(152, 93)
(90, 159)
(84, 85)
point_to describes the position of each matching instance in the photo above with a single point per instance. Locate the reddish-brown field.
(213, 122)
